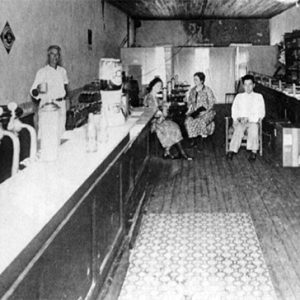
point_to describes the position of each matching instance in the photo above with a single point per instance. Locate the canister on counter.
(49, 131)
(110, 74)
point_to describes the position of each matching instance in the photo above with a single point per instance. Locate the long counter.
(78, 201)
(279, 104)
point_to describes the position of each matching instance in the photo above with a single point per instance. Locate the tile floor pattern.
(197, 256)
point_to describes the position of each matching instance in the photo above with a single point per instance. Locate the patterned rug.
(197, 256)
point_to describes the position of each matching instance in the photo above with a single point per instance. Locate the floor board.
(265, 190)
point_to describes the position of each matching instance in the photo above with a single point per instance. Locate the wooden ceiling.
(202, 9)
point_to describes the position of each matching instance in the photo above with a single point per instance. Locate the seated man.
(247, 109)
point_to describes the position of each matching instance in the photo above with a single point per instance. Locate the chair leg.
(226, 136)
(226, 145)
(260, 148)
(260, 139)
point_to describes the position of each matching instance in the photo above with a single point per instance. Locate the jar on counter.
(101, 127)
(91, 134)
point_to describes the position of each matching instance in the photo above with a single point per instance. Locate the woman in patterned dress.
(167, 131)
(200, 115)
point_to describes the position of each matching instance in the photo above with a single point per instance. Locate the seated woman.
(167, 131)
(200, 115)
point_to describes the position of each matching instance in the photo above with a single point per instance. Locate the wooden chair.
(229, 133)
(229, 97)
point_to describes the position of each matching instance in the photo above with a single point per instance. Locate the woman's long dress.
(203, 124)
(167, 131)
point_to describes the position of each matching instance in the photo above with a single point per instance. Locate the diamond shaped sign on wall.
(7, 37)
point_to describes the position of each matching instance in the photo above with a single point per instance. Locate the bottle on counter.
(91, 134)
(169, 88)
(101, 127)
(125, 105)
(173, 83)
(294, 89)
(176, 77)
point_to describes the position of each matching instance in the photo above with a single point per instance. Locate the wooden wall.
(193, 33)
(285, 22)
(40, 23)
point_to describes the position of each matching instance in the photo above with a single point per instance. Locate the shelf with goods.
(292, 56)
(281, 98)
(283, 86)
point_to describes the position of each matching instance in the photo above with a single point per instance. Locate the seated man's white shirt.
(249, 106)
(56, 80)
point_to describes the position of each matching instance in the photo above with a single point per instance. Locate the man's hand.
(243, 120)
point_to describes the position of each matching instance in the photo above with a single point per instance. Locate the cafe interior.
(100, 211)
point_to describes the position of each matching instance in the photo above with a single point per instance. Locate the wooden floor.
(210, 183)
(268, 192)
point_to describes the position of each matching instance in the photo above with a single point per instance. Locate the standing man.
(247, 110)
(51, 83)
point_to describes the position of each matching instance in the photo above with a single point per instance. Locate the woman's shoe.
(192, 143)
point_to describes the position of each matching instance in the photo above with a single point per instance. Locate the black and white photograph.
(149, 149)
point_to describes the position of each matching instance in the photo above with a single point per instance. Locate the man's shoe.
(252, 157)
(229, 155)
(185, 156)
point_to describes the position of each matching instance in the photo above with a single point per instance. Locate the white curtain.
(222, 72)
